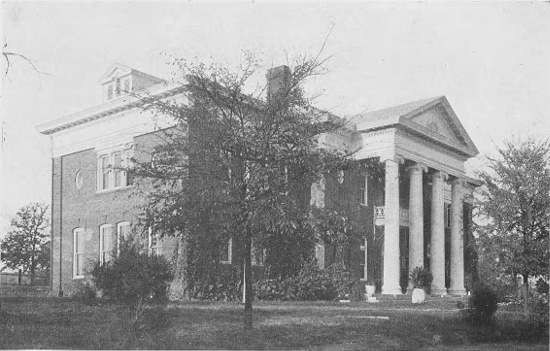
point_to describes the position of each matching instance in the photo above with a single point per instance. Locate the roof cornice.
(114, 106)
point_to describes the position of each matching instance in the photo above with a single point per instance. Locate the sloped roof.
(404, 115)
(390, 115)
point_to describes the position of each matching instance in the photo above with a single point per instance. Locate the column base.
(439, 292)
(392, 291)
(457, 292)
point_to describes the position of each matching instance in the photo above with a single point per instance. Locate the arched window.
(122, 232)
(107, 242)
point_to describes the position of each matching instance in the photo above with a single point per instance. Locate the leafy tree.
(26, 245)
(236, 165)
(515, 199)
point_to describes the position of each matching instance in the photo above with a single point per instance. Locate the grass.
(51, 323)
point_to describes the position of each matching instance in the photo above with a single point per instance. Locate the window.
(111, 173)
(127, 84)
(447, 215)
(363, 191)
(78, 253)
(117, 170)
(104, 172)
(155, 244)
(122, 232)
(363, 259)
(226, 251)
(107, 243)
(117, 86)
(258, 256)
(109, 92)
(78, 179)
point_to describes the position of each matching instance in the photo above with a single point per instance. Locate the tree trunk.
(179, 285)
(248, 283)
(525, 293)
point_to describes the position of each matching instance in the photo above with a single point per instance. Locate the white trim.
(78, 232)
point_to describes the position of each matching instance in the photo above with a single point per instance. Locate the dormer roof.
(118, 70)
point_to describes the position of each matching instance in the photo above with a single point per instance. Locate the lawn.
(63, 323)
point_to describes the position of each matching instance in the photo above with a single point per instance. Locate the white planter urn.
(370, 289)
(418, 295)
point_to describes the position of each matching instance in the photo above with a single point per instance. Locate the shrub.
(218, 290)
(133, 278)
(311, 284)
(270, 290)
(85, 293)
(421, 278)
(482, 303)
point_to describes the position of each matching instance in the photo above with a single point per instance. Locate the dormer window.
(119, 80)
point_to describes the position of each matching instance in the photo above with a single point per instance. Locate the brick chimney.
(278, 78)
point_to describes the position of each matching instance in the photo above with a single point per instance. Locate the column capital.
(417, 166)
(459, 181)
(392, 157)
(440, 175)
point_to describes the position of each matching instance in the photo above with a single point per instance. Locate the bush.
(134, 277)
(483, 304)
(311, 284)
(421, 278)
(85, 293)
(216, 291)
(271, 290)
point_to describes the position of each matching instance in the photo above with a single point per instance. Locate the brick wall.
(88, 209)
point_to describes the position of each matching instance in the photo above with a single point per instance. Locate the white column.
(457, 242)
(391, 230)
(437, 263)
(416, 218)
(318, 199)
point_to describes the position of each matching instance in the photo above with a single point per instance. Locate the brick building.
(415, 214)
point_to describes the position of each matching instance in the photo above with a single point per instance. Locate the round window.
(78, 179)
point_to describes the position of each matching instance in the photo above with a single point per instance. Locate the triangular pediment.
(116, 70)
(437, 120)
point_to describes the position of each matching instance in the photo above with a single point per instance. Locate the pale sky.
(491, 60)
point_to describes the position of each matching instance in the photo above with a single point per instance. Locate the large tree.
(236, 164)
(26, 245)
(515, 201)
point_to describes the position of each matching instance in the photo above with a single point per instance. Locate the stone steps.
(407, 298)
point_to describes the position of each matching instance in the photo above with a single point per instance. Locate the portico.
(422, 146)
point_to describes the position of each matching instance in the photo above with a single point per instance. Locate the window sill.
(106, 191)
(78, 277)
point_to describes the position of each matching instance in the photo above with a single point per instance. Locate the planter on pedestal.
(418, 295)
